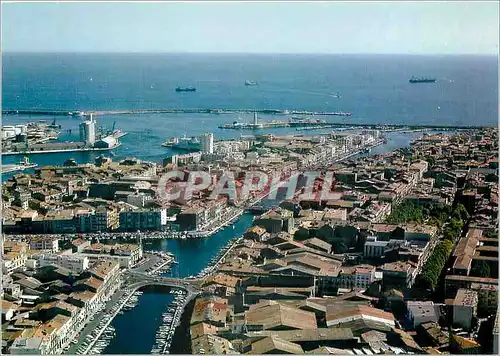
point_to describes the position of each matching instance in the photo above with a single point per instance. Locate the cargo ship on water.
(251, 83)
(21, 166)
(188, 89)
(183, 143)
(416, 80)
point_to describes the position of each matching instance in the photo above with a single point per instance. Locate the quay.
(362, 150)
(76, 148)
(218, 225)
(7, 168)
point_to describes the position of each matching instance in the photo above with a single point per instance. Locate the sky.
(464, 27)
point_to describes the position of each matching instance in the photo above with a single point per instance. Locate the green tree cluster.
(406, 212)
(428, 279)
(480, 269)
(436, 214)
(487, 303)
(458, 218)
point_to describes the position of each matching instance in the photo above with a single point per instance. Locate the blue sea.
(374, 88)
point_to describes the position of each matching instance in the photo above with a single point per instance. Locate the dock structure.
(43, 112)
(59, 147)
(170, 111)
(48, 112)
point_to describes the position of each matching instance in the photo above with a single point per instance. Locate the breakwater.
(391, 127)
(171, 111)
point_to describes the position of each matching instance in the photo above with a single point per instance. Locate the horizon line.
(252, 53)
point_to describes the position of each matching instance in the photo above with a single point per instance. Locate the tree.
(480, 269)
(462, 212)
(449, 234)
(487, 303)
(429, 277)
(435, 222)
(456, 224)
(431, 161)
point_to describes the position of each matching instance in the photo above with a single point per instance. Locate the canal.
(135, 329)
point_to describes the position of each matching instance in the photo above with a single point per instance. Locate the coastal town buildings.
(345, 269)
(401, 257)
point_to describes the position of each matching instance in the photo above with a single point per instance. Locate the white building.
(44, 243)
(75, 264)
(356, 277)
(139, 199)
(14, 256)
(421, 312)
(123, 261)
(207, 142)
(464, 308)
(106, 142)
(253, 156)
(87, 131)
(9, 131)
(26, 346)
(32, 263)
(108, 272)
(374, 248)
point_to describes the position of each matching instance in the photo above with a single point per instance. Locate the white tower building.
(87, 131)
(207, 142)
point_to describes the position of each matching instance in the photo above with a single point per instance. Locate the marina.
(170, 320)
(101, 336)
(218, 258)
